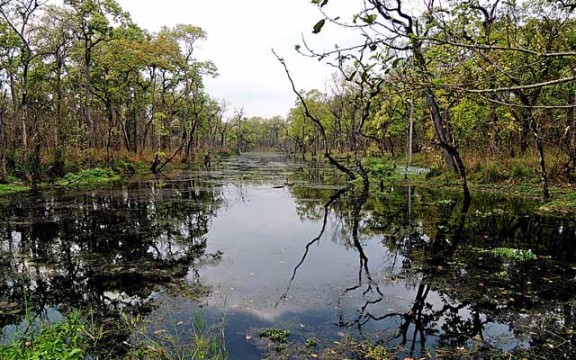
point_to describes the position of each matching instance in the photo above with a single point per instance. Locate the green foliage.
(511, 254)
(320, 3)
(383, 170)
(369, 19)
(276, 335)
(490, 172)
(310, 342)
(12, 188)
(565, 203)
(520, 172)
(377, 352)
(56, 341)
(89, 177)
(378, 169)
(318, 26)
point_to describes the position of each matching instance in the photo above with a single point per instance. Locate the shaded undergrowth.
(78, 336)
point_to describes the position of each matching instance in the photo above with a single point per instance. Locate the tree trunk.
(524, 136)
(190, 140)
(58, 168)
(134, 127)
(15, 107)
(452, 158)
(149, 124)
(36, 165)
(528, 118)
(540, 148)
(88, 90)
(434, 110)
(571, 140)
(3, 168)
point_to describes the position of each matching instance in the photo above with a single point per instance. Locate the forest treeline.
(476, 79)
(81, 79)
(480, 79)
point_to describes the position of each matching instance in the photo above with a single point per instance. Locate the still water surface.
(262, 241)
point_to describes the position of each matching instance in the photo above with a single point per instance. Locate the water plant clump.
(276, 335)
(511, 253)
(194, 338)
(311, 342)
(12, 188)
(89, 177)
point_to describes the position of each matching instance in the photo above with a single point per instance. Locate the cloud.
(241, 35)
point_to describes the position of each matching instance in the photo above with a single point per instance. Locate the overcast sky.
(241, 34)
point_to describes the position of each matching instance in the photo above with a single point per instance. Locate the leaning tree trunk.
(451, 154)
(438, 122)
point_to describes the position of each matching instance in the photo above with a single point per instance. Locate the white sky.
(241, 34)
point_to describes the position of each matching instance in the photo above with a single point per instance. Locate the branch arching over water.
(316, 121)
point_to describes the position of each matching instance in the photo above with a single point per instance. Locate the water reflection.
(272, 242)
(101, 251)
(462, 295)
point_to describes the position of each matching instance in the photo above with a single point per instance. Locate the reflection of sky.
(11, 333)
(263, 238)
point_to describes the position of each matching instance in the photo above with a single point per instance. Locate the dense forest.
(81, 83)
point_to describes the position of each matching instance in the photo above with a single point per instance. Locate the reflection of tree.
(311, 192)
(421, 320)
(330, 201)
(102, 250)
(437, 243)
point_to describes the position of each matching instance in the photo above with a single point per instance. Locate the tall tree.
(191, 71)
(386, 26)
(19, 15)
(92, 21)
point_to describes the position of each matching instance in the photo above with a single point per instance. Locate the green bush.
(489, 173)
(511, 254)
(380, 169)
(520, 172)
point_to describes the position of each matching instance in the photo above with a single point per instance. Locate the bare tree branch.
(316, 121)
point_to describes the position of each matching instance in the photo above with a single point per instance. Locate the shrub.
(520, 172)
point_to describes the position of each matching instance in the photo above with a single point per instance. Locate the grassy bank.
(76, 337)
(89, 177)
(12, 188)
(516, 177)
(89, 169)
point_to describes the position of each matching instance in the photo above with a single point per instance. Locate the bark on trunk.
(540, 148)
(3, 168)
(88, 90)
(571, 123)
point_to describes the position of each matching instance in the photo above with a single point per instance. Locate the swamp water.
(263, 242)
